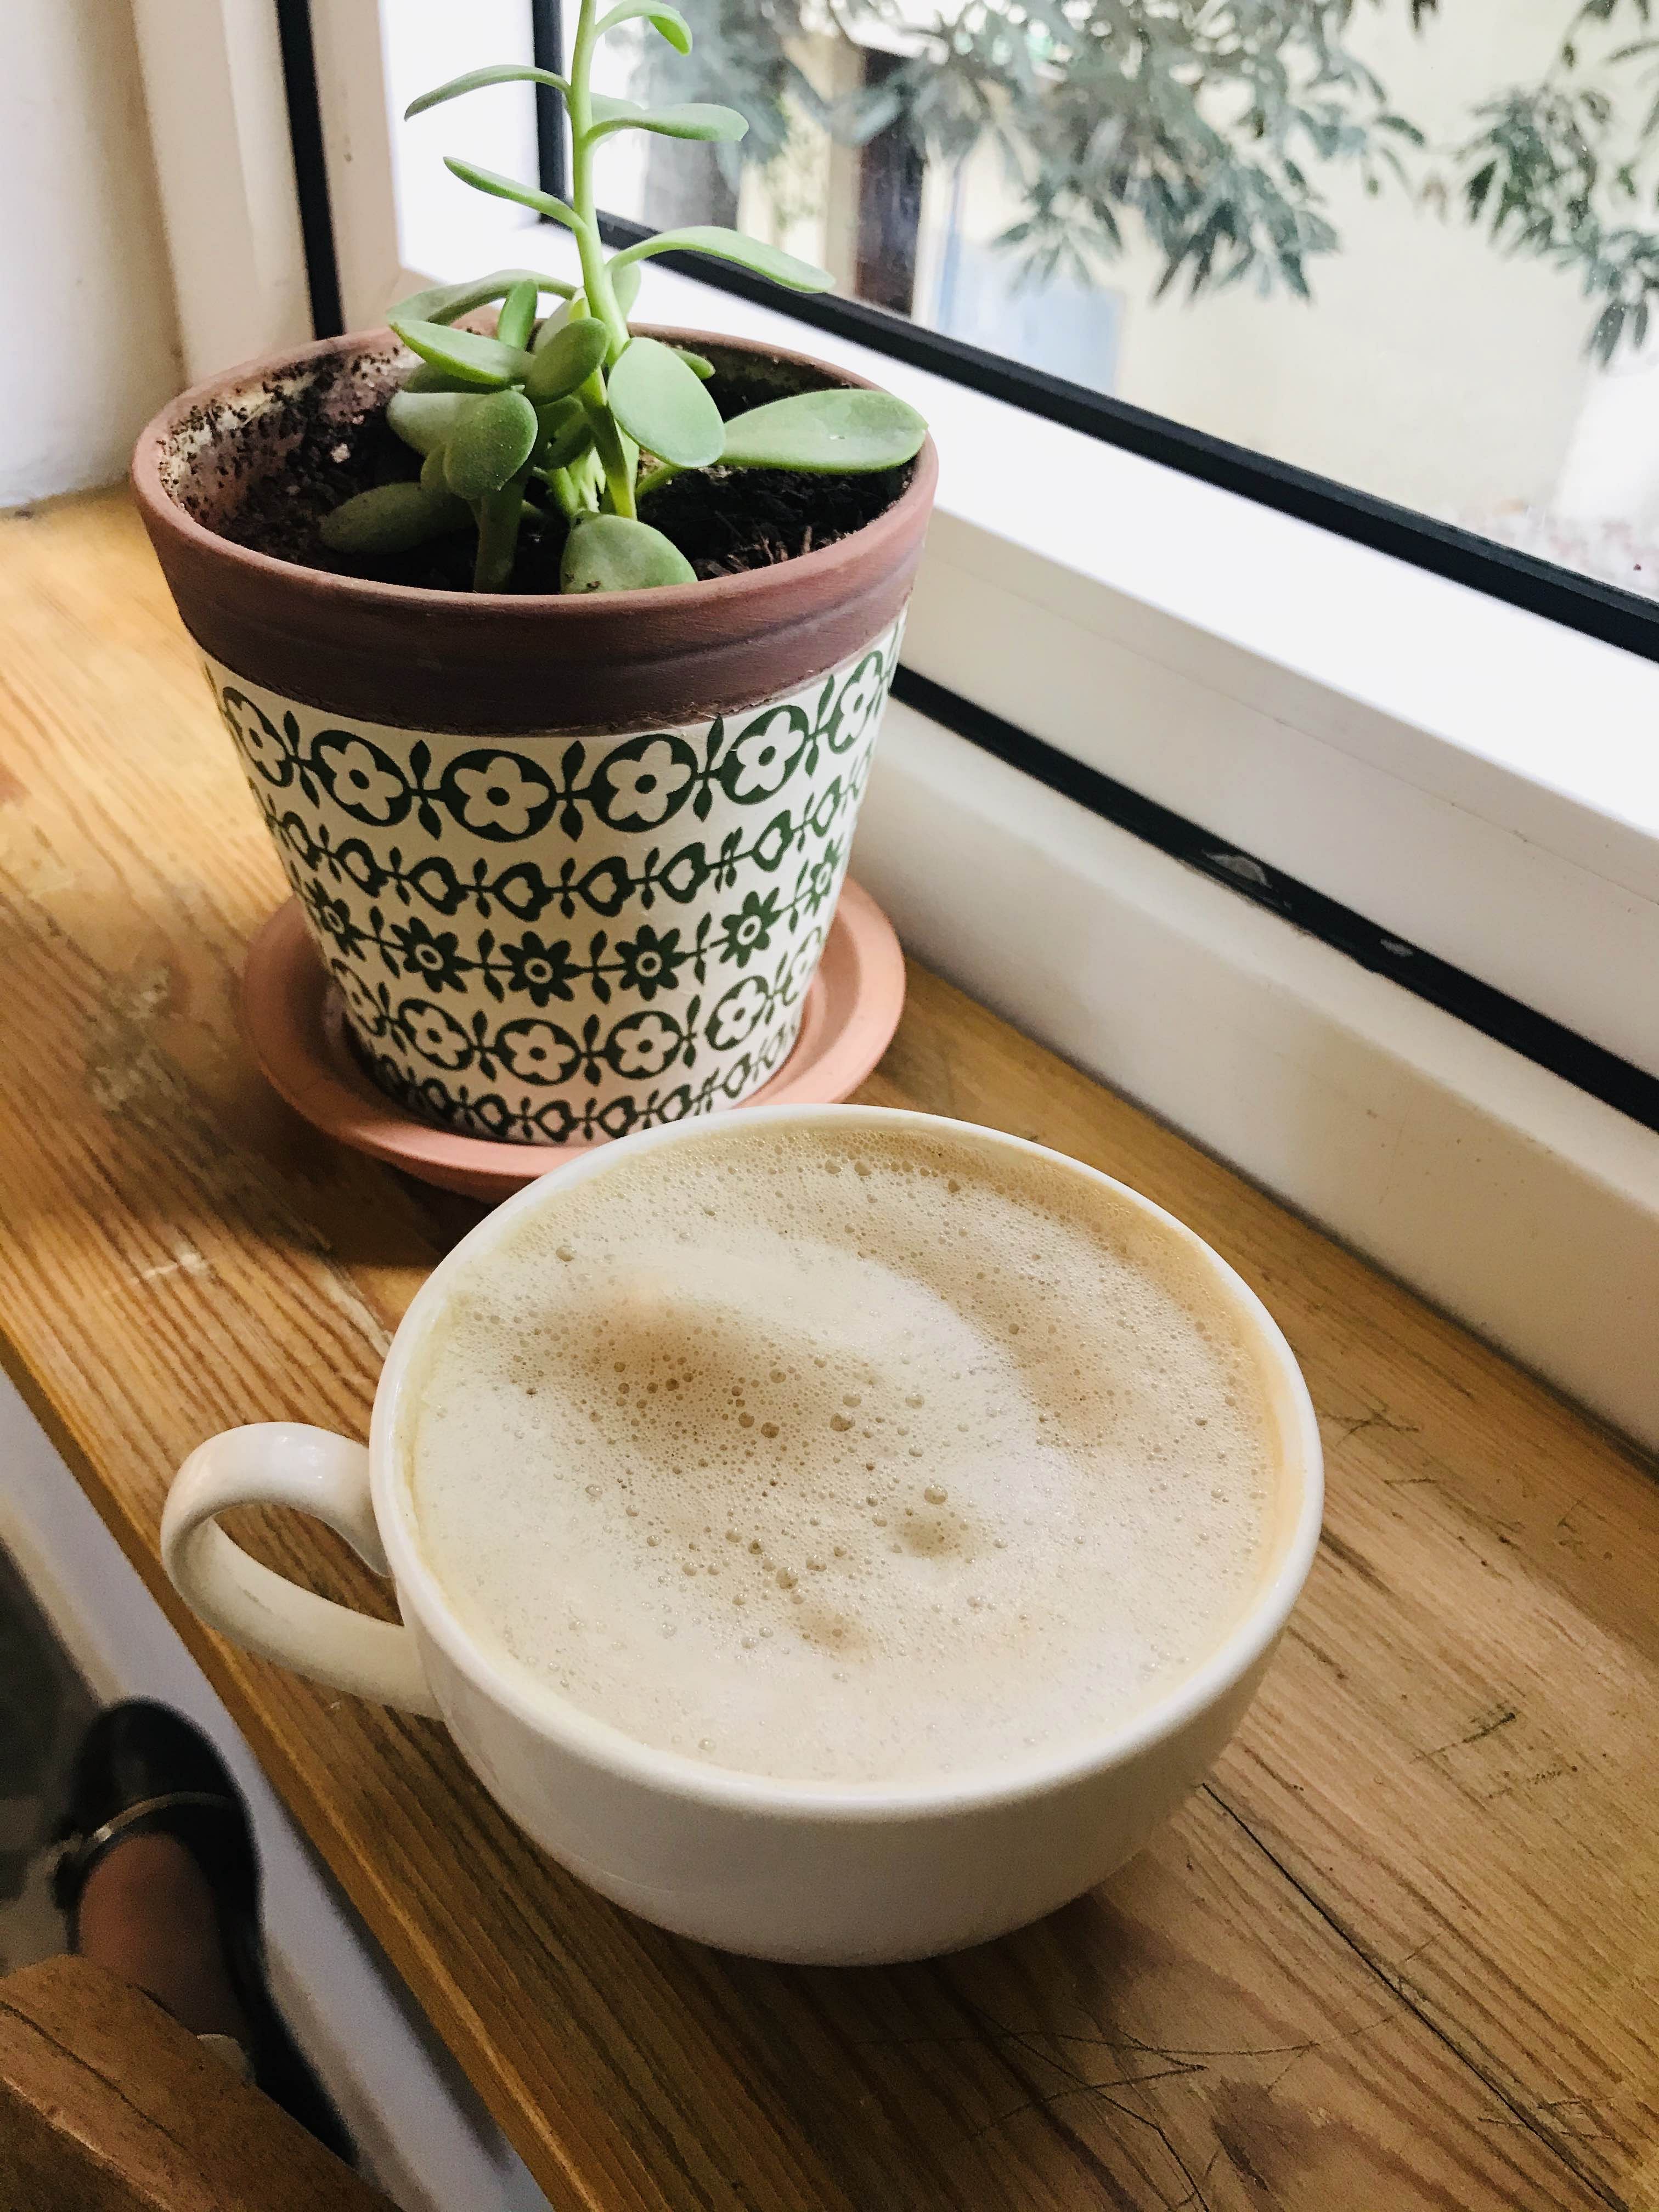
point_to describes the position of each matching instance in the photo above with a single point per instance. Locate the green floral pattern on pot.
(542, 939)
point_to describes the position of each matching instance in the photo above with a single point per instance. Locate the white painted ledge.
(1518, 1203)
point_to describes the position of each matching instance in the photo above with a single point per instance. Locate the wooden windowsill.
(1403, 1949)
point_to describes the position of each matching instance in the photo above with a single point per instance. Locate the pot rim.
(714, 594)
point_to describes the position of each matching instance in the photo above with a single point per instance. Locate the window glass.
(1408, 243)
(424, 42)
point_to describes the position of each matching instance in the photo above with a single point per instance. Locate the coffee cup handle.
(285, 1463)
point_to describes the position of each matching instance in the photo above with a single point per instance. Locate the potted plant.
(554, 651)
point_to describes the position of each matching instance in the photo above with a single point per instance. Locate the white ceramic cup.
(837, 1873)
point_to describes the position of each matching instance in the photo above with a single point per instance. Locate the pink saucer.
(295, 1020)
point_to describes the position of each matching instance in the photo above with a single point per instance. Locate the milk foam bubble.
(846, 1455)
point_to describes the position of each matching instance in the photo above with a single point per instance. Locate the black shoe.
(142, 1769)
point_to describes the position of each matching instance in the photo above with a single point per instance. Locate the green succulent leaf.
(442, 303)
(565, 433)
(423, 419)
(825, 432)
(424, 377)
(659, 400)
(729, 245)
(475, 80)
(608, 553)
(692, 119)
(467, 355)
(490, 444)
(392, 518)
(549, 326)
(553, 401)
(508, 188)
(518, 317)
(669, 21)
(567, 360)
(625, 284)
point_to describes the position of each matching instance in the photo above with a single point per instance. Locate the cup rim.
(600, 1743)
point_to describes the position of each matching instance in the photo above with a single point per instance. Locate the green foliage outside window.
(1211, 125)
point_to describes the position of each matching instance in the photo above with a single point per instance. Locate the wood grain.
(107, 2105)
(1403, 1950)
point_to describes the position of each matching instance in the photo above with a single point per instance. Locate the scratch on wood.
(1557, 2112)
(1340, 1550)
(185, 1260)
(1479, 1735)
(1528, 1781)
(1380, 1420)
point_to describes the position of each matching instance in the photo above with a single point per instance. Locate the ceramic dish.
(294, 1021)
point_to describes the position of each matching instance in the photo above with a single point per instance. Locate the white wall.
(92, 348)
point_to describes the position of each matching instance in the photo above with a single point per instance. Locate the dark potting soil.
(725, 520)
(313, 446)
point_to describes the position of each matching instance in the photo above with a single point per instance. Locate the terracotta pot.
(571, 860)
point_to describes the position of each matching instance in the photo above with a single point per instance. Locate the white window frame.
(219, 126)
(1475, 777)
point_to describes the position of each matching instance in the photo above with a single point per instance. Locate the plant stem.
(608, 445)
(619, 466)
(564, 494)
(499, 516)
(596, 277)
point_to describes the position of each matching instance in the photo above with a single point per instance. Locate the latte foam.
(848, 1454)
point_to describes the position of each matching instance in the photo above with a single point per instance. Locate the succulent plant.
(547, 420)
